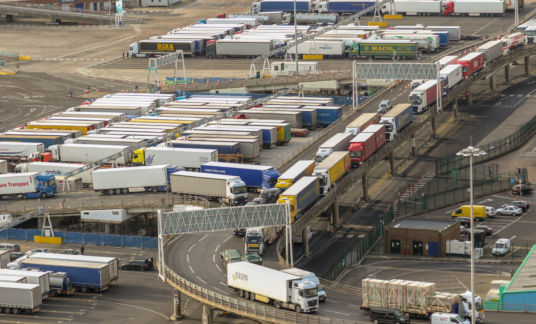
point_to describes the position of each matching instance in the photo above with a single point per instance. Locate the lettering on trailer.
(359, 4)
(165, 47)
(314, 190)
(326, 47)
(6, 151)
(402, 118)
(15, 184)
(54, 172)
(240, 276)
(215, 171)
(322, 114)
(203, 159)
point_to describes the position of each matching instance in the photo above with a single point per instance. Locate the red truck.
(366, 143)
(471, 63)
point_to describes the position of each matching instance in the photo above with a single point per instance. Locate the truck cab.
(322, 154)
(531, 34)
(46, 187)
(324, 179)
(254, 241)
(237, 192)
(501, 247)
(269, 179)
(439, 318)
(464, 306)
(138, 158)
(304, 295)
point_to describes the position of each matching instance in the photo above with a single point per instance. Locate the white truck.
(451, 75)
(455, 32)
(267, 285)
(413, 8)
(423, 97)
(57, 169)
(230, 189)
(19, 151)
(257, 238)
(426, 42)
(447, 60)
(153, 178)
(289, 68)
(308, 276)
(238, 47)
(32, 277)
(28, 185)
(482, 8)
(492, 50)
(87, 153)
(20, 297)
(339, 142)
(190, 159)
(334, 49)
(4, 259)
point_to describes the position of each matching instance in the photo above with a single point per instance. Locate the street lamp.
(470, 152)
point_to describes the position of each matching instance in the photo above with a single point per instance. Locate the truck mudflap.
(103, 288)
(33, 310)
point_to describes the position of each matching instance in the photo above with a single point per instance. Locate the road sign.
(175, 293)
(176, 301)
(204, 319)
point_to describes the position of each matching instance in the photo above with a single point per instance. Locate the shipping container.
(19, 297)
(332, 170)
(255, 176)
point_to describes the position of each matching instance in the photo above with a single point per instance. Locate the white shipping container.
(13, 279)
(320, 48)
(3, 166)
(106, 215)
(18, 183)
(111, 262)
(413, 8)
(492, 50)
(87, 153)
(181, 157)
(23, 296)
(58, 169)
(135, 177)
(20, 148)
(32, 277)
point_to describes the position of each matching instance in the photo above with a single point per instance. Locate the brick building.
(419, 237)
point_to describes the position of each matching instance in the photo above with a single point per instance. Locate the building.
(419, 237)
(520, 294)
(88, 6)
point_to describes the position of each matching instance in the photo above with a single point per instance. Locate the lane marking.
(221, 291)
(203, 238)
(227, 239)
(191, 269)
(138, 307)
(459, 280)
(513, 237)
(336, 312)
(217, 248)
(203, 281)
(214, 258)
(223, 284)
(191, 248)
(187, 258)
(218, 268)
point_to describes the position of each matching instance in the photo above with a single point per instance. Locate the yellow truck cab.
(479, 212)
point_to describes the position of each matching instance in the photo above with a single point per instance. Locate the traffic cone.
(122, 91)
(127, 90)
(400, 89)
(309, 77)
(97, 89)
(470, 50)
(391, 90)
(339, 75)
(69, 95)
(324, 76)
(465, 52)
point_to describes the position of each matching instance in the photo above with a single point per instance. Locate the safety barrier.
(501, 307)
(140, 242)
(10, 55)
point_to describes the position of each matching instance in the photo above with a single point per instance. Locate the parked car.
(140, 265)
(510, 210)
(524, 189)
(15, 255)
(240, 232)
(488, 230)
(465, 221)
(269, 196)
(385, 106)
(521, 204)
(10, 247)
(38, 250)
(69, 251)
(388, 316)
(491, 211)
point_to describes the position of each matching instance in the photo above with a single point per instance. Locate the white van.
(442, 318)
(310, 277)
(501, 247)
(298, 237)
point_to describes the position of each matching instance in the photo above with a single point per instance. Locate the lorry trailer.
(87, 153)
(360, 123)
(221, 147)
(250, 148)
(255, 176)
(447, 60)
(471, 63)
(281, 5)
(111, 262)
(383, 49)
(188, 158)
(47, 140)
(480, 8)
(20, 151)
(338, 142)
(396, 119)
(455, 32)
(332, 169)
(424, 96)
(20, 297)
(366, 144)
(414, 8)
(238, 47)
(492, 50)
(304, 168)
(301, 196)
(153, 178)
(154, 47)
(41, 278)
(450, 76)
(56, 169)
(28, 185)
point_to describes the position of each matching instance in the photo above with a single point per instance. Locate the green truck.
(230, 256)
(383, 49)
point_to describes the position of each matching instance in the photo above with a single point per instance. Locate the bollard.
(324, 76)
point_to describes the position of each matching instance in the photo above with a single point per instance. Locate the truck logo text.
(165, 47)
(240, 276)
(14, 184)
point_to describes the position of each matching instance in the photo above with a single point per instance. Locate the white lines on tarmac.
(217, 249)
(203, 281)
(331, 301)
(227, 239)
(513, 237)
(459, 281)
(187, 258)
(214, 258)
(218, 268)
(203, 238)
(336, 312)
(221, 291)
(191, 248)
(191, 269)
(223, 283)
(507, 226)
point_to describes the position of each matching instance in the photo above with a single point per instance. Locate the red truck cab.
(222, 15)
(448, 8)
(361, 148)
(471, 63)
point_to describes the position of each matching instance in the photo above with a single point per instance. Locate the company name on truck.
(240, 276)
(14, 184)
(402, 118)
(165, 47)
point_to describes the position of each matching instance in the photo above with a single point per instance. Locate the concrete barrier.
(392, 16)
(47, 239)
(378, 23)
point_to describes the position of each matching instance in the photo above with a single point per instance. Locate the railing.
(10, 55)
(502, 307)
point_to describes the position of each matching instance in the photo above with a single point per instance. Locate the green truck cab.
(230, 256)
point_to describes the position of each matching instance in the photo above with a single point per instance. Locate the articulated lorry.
(308, 276)
(84, 276)
(301, 196)
(190, 159)
(339, 142)
(19, 298)
(475, 8)
(451, 75)
(221, 147)
(153, 178)
(267, 285)
(230, 189)
(238, 48)
(492, 50)
(332, 169)
(344, 6)
(364, 145)
(362, 122)
(41, 278)
(281, 5)
(54, 168)
(28, 185)
(424, 96)
(396, 119)
(60, 284)
(301, 169)
(383, 49)
(258, 238)
(20, 152)
(425, 42)
(87, 153)
(255, 176)
(156, 47)
(414, 8)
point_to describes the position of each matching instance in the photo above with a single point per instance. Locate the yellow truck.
(82, 128)
(479, 212)
(301, 196)
(296, 172)
(332, 169)
(188, 158)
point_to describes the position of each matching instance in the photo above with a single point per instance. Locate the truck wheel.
(7, 310)
(16, 311)
(53, 293)
(124, 191)
(117, 191)
(246, 294)
(297, 308)
(111, 192)
(210, 56)
(134, 55)
(241, 293)
(84, 290)
(252, 296)
(155, 189)
(24, 196)
(277, 304)
(44, 195)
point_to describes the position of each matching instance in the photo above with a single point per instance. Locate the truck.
(4, 259)
(26, 131)
(293, 118)
(301, 196)
(480, 8)
(250, 148)
(231, 255)
(338, 142)
(13, 279)
(54, 168)
(84, 128)
(111, 262)
(284, 290)
(60, 284)
(451, 75)
(104, 140)
(362, 147)
(383, 49)
(308, 276)
(447, 60)
(275, 17)
(230, 189)
(87, 153)
(455, 32)
(426, 42)
(315, 18)
(190, 159)
(41, 278)
(127, 110)
(303, 168)
(282, 130)
(19, 152)
(238, 47)
(492, 50)
(418, 298)
(513, 41)
(46, 140)
(221, 147)
(471, 63)
(228, 128)
(258, 238)
(84, 276)
(153, 178)
(396, 119)
(281, 5)
(344, 6)
(362, 122)
(156, 47)
(238, 20)
(326, 115)
(424, 96)
(254, 176)
(28, 185)
(20, 297)
(332, 169)
(413, 8)
(289, 68)
(308, 116)
(326, 48)
(530, 33)
(261, 19)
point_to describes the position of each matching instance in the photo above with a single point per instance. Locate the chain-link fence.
(436, 193)
(493, 149)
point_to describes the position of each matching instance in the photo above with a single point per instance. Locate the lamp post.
(470, 152)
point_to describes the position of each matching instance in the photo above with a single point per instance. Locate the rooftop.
(421, 224)
(525, 277)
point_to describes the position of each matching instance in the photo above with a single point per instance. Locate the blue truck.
(443, 37)
(46, 140)
(28, 185)
(396, 119)
(326, 115)
(281, 5)
(346, 6)
(84, 276)
(255, 176)
(222, 147)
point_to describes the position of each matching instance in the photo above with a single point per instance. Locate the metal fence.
(10, 55)
(501, 307)
(493, 149)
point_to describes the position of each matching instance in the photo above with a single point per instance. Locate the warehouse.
(520, 294)
(419, 237)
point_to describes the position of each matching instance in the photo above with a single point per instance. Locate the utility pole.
(296, 38)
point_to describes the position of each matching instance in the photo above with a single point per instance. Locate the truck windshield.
(322, 181)
(272, 182)
(499, 246)
(388, 127)
(356, 154)
(465, 69)
(531, 33)
(313, 292)
(459, 319)
(52, 182)
(415, 100)
(239, 190)
(479, 307)
(320, 158)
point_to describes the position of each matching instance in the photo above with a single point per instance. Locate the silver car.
(509, 210)
(385, 106)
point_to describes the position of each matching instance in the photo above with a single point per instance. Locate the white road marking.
(214, 258)
(227, 239)
(221, 291)
(218, 268)
(513, 237)
(190, 248)
(217, 249)
(187, 258)
(336, 312)
(331, 301)
(203, 238)
(203, 281)
(223, 284)
(191, 269)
